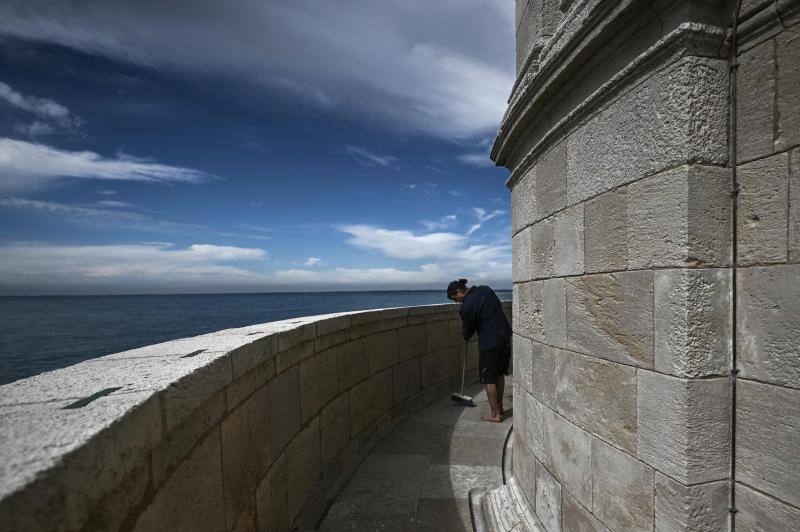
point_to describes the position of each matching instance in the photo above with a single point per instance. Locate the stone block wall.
(243, 429)
(617, 138)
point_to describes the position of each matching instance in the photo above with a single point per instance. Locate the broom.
(465, 400)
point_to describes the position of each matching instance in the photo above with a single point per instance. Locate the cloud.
(448, 253)
(402, 244)
(112, 204)
(313, 261)
(367, 158)
(444, 68)
(72, 210)
(25, 166)
(51, 114)
(126, 267)
(443, 223)
(476, 159)
(483, 216)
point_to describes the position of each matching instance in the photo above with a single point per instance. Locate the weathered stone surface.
(768, 314)
(568, 245)
(686, 120)
(253, 355)
(543, 372)
(334, 426)
(788, 71)
(527, 312)
(794, 207)
(283, 398)
(437, 336)
(333, 323)
(245, 453)
(192, 498)
(293, 356)
(759, 512)
(299, 334)
(523, 202)
(411, 341)
(576, 518)
(521, 256)
(551, 183)
(271, 501)
(524, 465)
(523, 361)
(542, 249)
(701, 508)
(242, 387)
(554, 312)
(562, 447)
(318, 383)
(605, 233)
(111, 512)
(679, 217)
(611, 316)
(455, 481)
(622, 489)
(767, 442)
(407, 380)
(439, 365)
(353, 364)
(369, 400)
(548, 499)
(188, 393)
(763, 210)
(303, 462)
(323, 343)
(246, 522)
(692, 322)
(178, 443)
(755, 98)
(382, 351)
(598, 396)
(684, 426)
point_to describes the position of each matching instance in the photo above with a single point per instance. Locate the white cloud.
(484, 216)
(443, 67)
(50, 114)
(475, 159)
(448, 253)
(313, 261)
(473, 228)
(34, 129)
(402, 244)
(112, 204)
(71, 210)
(25, 165)
(126, 267)
(367, 158)
(446, 221)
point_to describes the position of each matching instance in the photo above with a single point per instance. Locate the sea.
(43, 333)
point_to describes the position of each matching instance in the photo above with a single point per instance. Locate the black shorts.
(494, 362)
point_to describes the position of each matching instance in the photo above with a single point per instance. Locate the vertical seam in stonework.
(776, 112)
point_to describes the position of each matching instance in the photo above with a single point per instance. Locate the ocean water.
(39, 334)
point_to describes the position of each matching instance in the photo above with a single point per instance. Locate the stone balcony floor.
(419, 476)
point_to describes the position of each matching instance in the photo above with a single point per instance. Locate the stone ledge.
(142, 421)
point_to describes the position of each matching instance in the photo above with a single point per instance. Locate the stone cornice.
(687, 39)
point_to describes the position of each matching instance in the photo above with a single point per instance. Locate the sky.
(199, 146)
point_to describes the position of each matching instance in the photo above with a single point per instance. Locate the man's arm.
(468, 325)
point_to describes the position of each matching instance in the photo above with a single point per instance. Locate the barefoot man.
(482, 312)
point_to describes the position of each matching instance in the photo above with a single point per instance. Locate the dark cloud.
(443, 67)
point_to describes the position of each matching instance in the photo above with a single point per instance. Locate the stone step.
(502, 509)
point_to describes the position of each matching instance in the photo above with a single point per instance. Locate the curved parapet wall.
(245, 428)
(617, 138)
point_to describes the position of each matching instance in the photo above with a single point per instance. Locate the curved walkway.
(419, 476)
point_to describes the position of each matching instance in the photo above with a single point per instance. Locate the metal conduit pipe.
(733, 66)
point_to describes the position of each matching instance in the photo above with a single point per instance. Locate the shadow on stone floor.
(419, 476)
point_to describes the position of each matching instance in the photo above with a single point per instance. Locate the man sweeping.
(482, 312)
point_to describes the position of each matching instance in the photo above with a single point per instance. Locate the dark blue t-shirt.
(482, 311)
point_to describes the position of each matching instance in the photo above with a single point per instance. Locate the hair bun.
(462, 282)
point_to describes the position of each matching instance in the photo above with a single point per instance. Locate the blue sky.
(250, 145)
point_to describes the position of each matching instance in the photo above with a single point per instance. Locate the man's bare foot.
(493, 418)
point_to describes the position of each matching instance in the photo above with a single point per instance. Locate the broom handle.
(464, 368)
